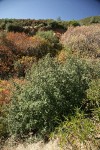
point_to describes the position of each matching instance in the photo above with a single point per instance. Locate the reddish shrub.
(18, 42)
(4, 91)
(23, 64)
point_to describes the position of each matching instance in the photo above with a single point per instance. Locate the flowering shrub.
(84, 40)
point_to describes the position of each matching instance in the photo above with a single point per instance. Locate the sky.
(49, 9)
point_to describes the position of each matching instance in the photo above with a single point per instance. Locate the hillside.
(90, 20)
(50, 84)
(30, 26)
(21, 24)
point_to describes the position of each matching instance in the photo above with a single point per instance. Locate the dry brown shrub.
(18, 42)
(22, 65)
(83, 40)
(39, 47)
(62, 56)
(6, 89)
(20, 48)
(21, 44)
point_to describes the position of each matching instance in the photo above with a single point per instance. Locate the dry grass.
(52, 145)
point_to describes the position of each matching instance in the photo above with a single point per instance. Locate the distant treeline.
(31, 26)
(27, 25)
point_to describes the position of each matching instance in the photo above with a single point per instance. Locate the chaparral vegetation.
(50, 82)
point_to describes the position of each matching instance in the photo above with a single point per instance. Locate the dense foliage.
(77, 132)
(50, 80)
(16, 48)
(83, 41)
(52, 91)
(90, 20)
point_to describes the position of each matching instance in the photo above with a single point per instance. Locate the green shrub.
(2, 25)
(13, 28)
(93, 93)
(56, 24)
(40, 47)
(3, 122)
(92, 100)
(74, 23)
(89, 20)
(52, 91)
(96, 114)
(23, 64)
(75, 131)
(48, 35)
(51, 37)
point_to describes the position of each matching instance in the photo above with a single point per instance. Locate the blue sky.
(43, 9)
